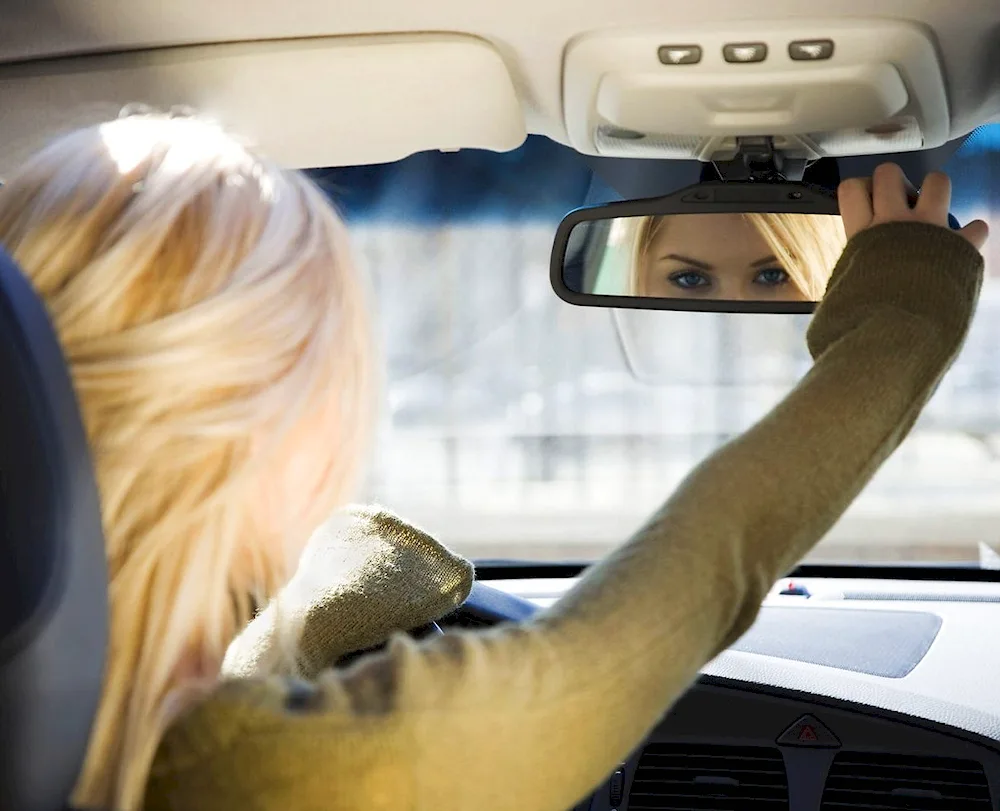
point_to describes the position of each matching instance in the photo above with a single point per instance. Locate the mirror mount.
(757, 161)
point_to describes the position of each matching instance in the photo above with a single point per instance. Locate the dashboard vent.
(925, 597)
(859, 780)
(671, 777)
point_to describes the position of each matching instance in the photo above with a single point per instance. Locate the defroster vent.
(672, 777)
(861, 781)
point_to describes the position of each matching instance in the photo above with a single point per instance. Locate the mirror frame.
(714, 197)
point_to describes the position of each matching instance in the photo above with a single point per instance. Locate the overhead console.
(819, 89)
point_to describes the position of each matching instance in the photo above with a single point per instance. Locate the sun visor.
(819, 88)
(335, 101)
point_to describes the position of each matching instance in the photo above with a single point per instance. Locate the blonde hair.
(806, 245)
(206, 304)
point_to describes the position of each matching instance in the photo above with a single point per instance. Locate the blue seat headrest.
(53, 577)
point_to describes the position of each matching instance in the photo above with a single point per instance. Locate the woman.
(216, 334)
(734, 257)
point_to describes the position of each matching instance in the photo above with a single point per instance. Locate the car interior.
(869, 680)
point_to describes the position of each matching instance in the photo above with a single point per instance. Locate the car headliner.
(528, 38)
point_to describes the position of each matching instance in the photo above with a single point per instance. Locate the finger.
(855, 202)
(935, 199)
(889, 193)
(976, 232)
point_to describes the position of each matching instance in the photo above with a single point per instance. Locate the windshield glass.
(518, 426)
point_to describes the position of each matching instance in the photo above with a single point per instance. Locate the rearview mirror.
(716, 247)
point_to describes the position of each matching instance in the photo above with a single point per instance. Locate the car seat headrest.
(53, 578)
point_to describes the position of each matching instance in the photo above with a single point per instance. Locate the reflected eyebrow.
(687, 260)
(767, 260)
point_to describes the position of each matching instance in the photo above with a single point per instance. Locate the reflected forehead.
(711, 238)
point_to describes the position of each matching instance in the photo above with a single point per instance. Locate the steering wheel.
(485, 607)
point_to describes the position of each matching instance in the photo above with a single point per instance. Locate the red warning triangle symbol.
(808, 731)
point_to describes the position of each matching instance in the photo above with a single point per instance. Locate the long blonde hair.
(806, 245)
(206, 304)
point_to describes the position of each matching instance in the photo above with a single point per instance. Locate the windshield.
(518, 426)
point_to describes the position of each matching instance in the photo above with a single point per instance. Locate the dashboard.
(845, 695)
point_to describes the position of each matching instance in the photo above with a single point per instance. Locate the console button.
(810, 50)
(809, 731)
(745, 52)
(679, 54)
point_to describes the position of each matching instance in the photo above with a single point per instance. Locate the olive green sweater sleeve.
(364, 574)
(533, 717)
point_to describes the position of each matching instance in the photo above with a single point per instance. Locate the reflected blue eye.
(771, 277)
(690, 279)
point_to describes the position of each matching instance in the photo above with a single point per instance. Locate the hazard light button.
(809, 731)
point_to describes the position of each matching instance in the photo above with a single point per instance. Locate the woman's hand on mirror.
(887, 195)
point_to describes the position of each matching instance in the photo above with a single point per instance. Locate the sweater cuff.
(924, 270)
(365, 575)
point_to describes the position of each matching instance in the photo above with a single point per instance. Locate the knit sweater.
(531, 717)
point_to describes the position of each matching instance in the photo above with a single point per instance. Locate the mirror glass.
(738, 257)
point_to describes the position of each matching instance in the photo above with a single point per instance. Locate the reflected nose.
(729, 287)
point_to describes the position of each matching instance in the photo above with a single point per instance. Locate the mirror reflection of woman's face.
(713, 256)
